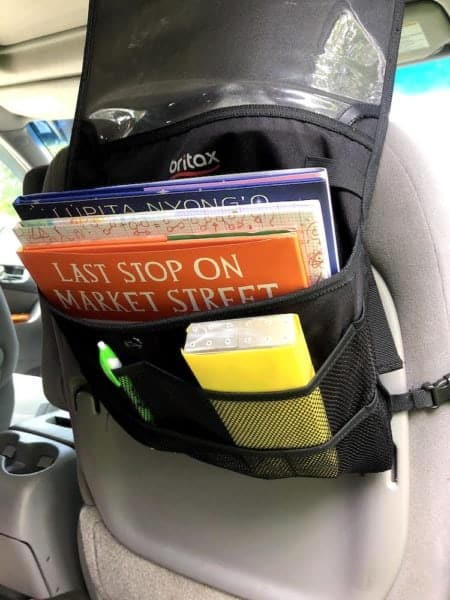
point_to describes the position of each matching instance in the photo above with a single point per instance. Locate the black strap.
(430, 395)
(386, 356)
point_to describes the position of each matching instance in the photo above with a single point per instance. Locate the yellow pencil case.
(259, 355)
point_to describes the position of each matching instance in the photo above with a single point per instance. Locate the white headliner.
(41, 51)
(28, 19)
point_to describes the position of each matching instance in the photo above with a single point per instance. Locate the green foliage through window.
(10, 188)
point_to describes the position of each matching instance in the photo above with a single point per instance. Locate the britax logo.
(192, 165)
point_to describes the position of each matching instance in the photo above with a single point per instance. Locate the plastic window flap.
(158, 63)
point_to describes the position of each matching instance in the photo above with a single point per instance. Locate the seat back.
(174, 521)
(9, 352)
(9, 345)
(184, 529)
(20, 395)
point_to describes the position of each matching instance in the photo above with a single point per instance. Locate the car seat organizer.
(249, 87)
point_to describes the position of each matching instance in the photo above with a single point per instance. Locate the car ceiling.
(41, 49)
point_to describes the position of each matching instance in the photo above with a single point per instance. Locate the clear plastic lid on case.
(248, 333)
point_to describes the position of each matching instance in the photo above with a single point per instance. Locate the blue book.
(186, 184)
(222, 191)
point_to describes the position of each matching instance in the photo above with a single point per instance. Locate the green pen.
(109, 362)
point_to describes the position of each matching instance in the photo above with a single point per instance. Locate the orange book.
(158, 279)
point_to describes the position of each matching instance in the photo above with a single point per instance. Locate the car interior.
(87, 510)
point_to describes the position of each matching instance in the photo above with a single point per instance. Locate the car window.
(53, 135)
(432, 76)
(422, 97)
(421, 106)
(10, 188)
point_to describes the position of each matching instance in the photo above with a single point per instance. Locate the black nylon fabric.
(241, 143)
(386, 356)
(249, 137)
(338, 305)
(243, 139)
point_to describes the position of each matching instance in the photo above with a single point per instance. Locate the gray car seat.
(21, 396)
(33, 182)
(9, 352)
(159, 526)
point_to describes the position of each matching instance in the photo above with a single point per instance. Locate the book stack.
(152, 251)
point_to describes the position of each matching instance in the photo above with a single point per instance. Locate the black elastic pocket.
(362, 445)
(336, 424)
(169, 402)
(326, 310)
(322, 430)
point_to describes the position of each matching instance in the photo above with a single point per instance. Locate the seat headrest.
(33, 182)
(55, 176)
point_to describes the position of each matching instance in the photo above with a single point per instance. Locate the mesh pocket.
(322, 464)
(350, 381)
(130, 390)
(337, 424)
(293, 423)
(308, 416)
(365, 447)
(368, 448)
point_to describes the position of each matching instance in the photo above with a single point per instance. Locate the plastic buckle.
(440, 390)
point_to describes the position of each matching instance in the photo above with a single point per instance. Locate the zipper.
(235, 112)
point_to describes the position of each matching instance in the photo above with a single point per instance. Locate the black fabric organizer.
(342, 317)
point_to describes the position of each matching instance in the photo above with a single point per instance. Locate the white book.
(304, 216)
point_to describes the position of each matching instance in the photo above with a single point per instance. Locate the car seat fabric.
(408, 242)
(409, 245)
(33, 182)
(30, 400)
(409, 204)
(9, 352)
(116, 573)
(55, 175)
(22, 397)
(55, 347)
